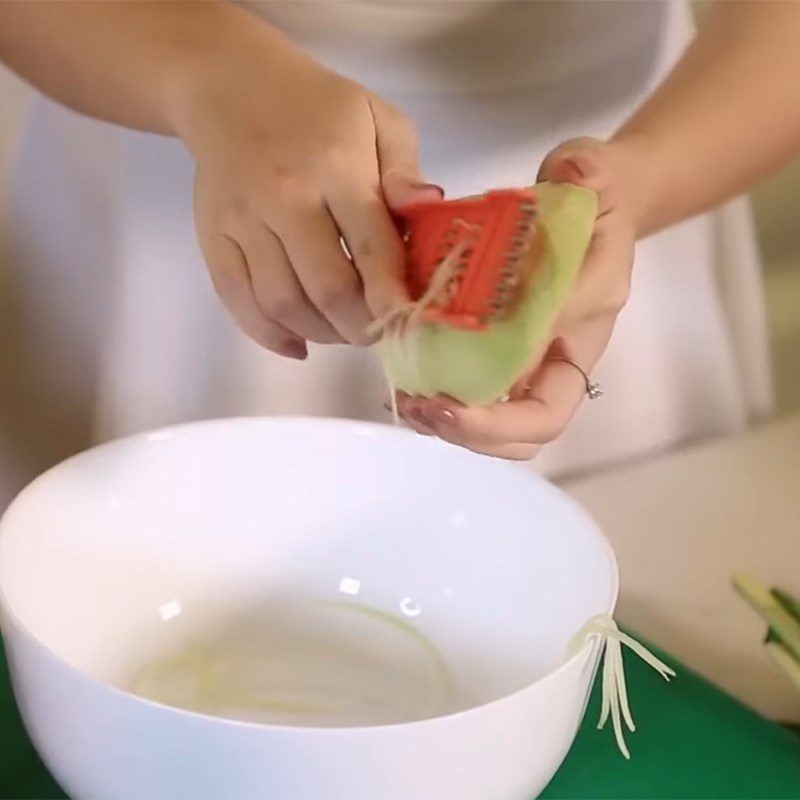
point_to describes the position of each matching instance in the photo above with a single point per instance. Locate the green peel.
(772, 610)
(480, 367)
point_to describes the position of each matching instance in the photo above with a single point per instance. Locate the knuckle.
(232, 201)
(279, 171)
(364, 249)
(615, 299)
(226, 279)
(621, 295)
(290, 185)
(281, 192)
(281, 305)
(286, 192)
(338, 157)
(264, 335)
(237, 207)
(335, 295)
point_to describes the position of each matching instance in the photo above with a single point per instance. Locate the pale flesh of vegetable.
(479, 367)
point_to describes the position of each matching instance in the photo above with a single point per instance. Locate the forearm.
(727, 115)
(123, 62)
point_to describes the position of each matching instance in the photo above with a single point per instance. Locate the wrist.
(208, 81)
(190, 40)
(637, 163)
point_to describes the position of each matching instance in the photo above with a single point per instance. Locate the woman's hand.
(291, 157)
(541, 405)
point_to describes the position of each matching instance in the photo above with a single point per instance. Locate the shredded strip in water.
(614, 701)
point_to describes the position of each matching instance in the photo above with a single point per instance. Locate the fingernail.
(295, 349)
(580, 165)
(440, 416)
(433, 187)
(417, 415)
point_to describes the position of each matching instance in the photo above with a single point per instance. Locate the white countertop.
(681, 526)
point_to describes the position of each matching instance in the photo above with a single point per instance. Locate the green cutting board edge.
(693, 741)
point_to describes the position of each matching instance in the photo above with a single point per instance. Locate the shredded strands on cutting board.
(614, 691)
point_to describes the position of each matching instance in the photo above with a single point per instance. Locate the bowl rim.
(9, 618)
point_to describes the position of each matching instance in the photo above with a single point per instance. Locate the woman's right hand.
(289, 157)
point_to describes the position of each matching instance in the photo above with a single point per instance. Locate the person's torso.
(469, 46)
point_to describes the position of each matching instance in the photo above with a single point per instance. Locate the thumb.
(603, 283)
(398, 158)
(581, 162)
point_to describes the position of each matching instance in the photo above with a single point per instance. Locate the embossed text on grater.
(491, 238)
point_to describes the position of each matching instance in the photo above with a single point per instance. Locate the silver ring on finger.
(594, 391)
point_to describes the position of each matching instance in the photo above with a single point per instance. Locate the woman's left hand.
(541, 405)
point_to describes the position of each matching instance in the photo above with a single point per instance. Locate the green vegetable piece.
(783, 657)
(791, 605)
(480, 367)
(764, 603)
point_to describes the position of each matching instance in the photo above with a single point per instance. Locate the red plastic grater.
(487, 238)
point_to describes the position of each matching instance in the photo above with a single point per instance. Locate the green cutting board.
(693, 741)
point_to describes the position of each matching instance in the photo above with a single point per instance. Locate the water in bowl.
(320, 664)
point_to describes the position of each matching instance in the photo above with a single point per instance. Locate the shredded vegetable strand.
(605, 698)
(613, 691)
(614, 698)
(393, 400)
(399, 321)
(622, 689)
(656, 663)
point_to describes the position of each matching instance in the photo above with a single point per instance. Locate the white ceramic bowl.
(105, 557)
